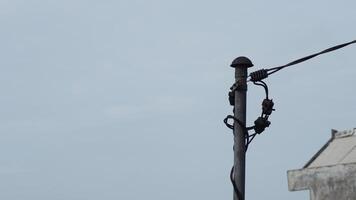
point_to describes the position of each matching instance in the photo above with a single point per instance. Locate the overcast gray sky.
(125, 99)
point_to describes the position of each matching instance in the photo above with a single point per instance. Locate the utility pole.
(237, 98)
(240, 64)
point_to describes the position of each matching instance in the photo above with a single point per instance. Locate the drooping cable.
(251, 137)
(264, 85)
(236, 190)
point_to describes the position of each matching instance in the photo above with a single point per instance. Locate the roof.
(340, 149)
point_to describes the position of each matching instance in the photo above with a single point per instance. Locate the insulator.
(261, 124)
(259, 75)
(267, 106)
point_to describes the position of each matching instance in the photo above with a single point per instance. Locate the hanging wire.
(251, 137)
(264, 85)
(236, 190)
(231, 126)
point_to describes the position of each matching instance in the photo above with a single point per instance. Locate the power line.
(263, 73)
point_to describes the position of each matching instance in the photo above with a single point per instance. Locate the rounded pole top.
(241, 62)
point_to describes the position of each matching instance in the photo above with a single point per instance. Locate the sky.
(125, 99)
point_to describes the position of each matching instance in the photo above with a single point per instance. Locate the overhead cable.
(263, 73)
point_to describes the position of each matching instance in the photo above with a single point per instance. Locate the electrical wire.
(236, 190)
(250, 140)
(264, 85)
(264, 73)
(300, 60)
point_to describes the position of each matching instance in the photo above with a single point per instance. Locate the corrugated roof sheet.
(340, 149)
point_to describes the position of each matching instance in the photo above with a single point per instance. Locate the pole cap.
(241, 62)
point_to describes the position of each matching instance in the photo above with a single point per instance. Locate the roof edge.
(345, 133)
(333, 134)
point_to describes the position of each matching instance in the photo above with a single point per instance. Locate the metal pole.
(240, 64)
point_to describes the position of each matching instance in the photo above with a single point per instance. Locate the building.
(331, 172)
